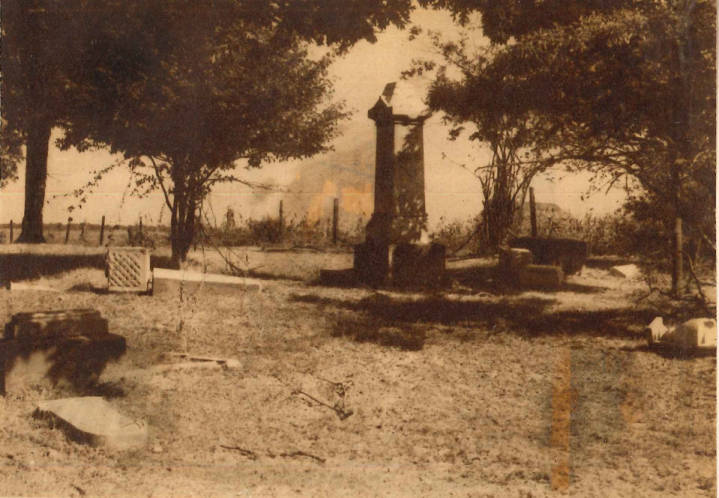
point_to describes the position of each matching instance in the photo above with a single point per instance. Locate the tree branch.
(162, 184)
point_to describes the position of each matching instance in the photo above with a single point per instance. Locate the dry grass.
(463, 392)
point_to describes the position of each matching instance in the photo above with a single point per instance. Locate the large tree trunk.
(677, 236)
(38, 139)
(182, 225)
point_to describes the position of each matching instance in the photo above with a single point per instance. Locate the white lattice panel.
(128, 269)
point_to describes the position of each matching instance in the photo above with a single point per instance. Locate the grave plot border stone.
(570, 254)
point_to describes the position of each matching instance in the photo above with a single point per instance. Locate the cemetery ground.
(467, 391)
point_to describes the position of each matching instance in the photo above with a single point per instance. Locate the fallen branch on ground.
(248, 453)
(340, 411)
(299, 453)
(340, 387)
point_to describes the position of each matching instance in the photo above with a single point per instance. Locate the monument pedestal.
(371, 262)
(418, 265)
(399, 219)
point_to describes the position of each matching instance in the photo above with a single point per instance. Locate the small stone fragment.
(626, 271)
(656, 330)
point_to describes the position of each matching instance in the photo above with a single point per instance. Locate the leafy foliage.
(10, 153)
(619, 87)
(71, 63)
(511, 137)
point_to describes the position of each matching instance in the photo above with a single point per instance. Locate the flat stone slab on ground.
(93, 420)
(626, 271)
(168, 281)
(22, 286)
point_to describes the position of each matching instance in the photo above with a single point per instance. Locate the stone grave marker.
(399, 218)
(69, 346)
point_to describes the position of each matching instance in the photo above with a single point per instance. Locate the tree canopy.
(622, 87)
(66, 62)
(221, 85)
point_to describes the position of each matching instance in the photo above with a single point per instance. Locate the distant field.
(116, 235)
(33, 261)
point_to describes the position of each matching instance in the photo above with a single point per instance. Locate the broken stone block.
(656, 330)
(418, 265)
(165, 281)
(511, 261)
(626, 271)
(570, 254)
(92, 420)
(698, 333)
(541, 277)
(56, 347)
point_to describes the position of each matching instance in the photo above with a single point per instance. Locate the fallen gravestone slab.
(92, 420)
(24, 286)
(698, 333)
(165, 281)
(626, 271)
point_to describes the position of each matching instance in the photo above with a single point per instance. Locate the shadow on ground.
(403, 323)
(486, 278)
(672, 353)
(14, 267)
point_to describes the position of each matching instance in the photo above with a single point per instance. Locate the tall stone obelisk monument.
(399, 215)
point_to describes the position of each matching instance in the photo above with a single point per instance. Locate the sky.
(307, 187)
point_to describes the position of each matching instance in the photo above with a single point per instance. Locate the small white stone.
(626, 271)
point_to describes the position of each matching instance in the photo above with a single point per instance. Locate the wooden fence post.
(67, 231)
(102, 229)
(11, 232)
(532, 212)
(335, 218)
(282, 220)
